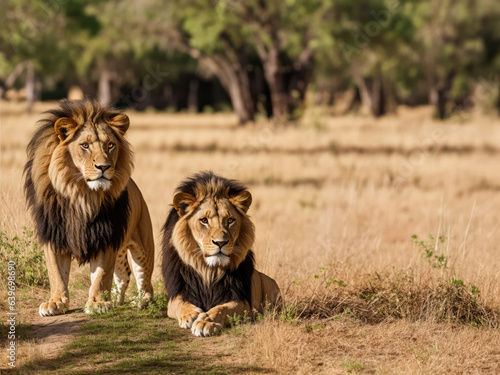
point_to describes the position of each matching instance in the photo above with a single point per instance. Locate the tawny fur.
(74, 220)
(208, 264)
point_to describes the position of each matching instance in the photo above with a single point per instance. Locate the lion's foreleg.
(184, 312)
(101, 275)
(211, 322)
(58, 267)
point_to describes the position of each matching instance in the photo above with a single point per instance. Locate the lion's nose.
(220, 243)
(102, 167)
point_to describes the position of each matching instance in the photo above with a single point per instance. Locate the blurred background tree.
(255, 57)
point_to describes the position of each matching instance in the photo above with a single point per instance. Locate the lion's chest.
(232, 286)
(210, 295)
(68, 232)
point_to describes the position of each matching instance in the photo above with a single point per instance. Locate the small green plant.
(328, 283)
(351, 366)
(459, 285)
(115, 294)
(313, 327)
(289, 313)
(428, 249)
(238, 320)
(338, 282)
(137, 296)
(159, 305)
(28, 258)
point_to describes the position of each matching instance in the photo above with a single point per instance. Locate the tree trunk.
(498, 100)
(372, 94)
(234, 82)
(12, 77)
(355, 101)
(276, 82)
(298, 83)
(30, 86)
(228, 69)
(378, 97)
(237, 93)
(105, 86)
(193, 96)
(438, 95)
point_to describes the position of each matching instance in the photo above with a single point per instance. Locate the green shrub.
(429, 248)
(29, 259)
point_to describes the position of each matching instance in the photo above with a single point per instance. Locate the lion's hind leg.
(142, 266)
(265, 292)
(121, 275)
(58, 267)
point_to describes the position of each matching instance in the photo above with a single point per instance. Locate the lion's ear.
(182, 201)
(242, 201)
(64, 126)
(119, 122)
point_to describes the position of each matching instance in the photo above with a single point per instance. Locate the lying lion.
(208, 264)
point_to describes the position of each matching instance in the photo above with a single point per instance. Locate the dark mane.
(211, 182)
(59, 223)
(181, 278)
(81, 232)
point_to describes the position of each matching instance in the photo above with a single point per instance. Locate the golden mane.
(204, 294)
(59, 199)
(202, 186)
(46, 151)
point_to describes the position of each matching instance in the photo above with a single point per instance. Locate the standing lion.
(84, 204)
(208, 264)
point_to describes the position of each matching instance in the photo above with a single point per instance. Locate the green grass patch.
(130, 341)
(351, 366)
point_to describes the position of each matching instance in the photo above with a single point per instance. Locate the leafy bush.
(29, 259)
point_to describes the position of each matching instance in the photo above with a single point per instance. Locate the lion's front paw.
(52, 308)
(97, 307)
(186, 320)
(203, 326)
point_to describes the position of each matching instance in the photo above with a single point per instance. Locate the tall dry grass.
(336, 202)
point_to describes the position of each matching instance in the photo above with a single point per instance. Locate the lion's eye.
(85, 145)
(204, 220)
(230, 220)
(110, 145)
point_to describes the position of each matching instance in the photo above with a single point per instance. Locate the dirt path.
(42, 338)
(44, 343)
(53, 333)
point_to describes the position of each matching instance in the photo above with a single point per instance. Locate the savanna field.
(382, 235)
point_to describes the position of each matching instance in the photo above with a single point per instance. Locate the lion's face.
(216, 229)
(94, 151)
(90, 152)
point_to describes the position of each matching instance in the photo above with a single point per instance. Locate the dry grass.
(340, 198)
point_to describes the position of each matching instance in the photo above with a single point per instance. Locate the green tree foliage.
(265, 54)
